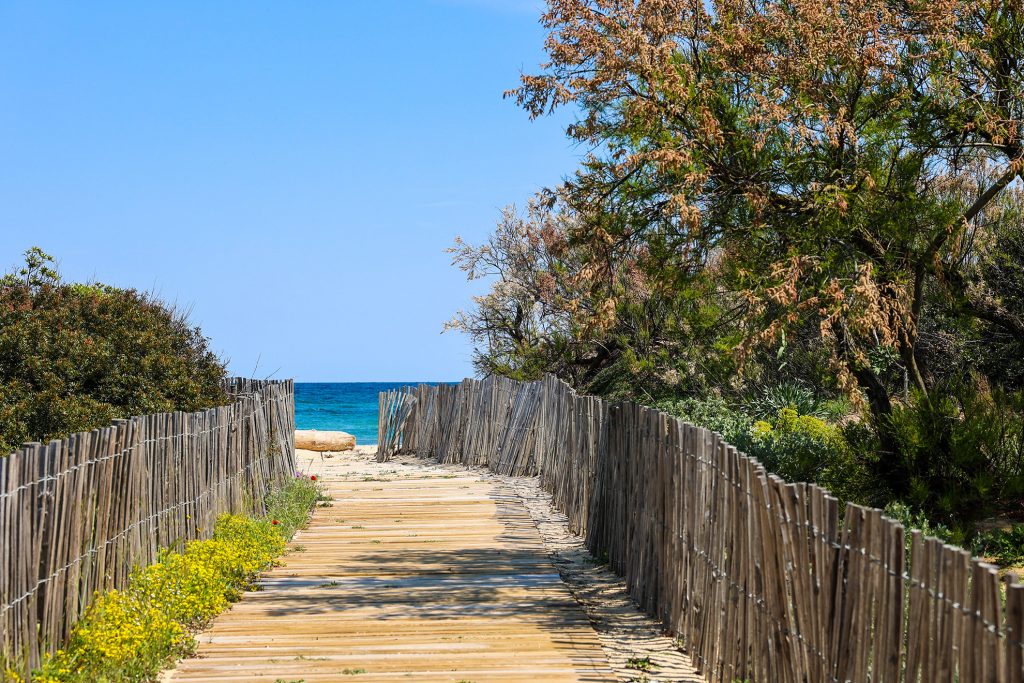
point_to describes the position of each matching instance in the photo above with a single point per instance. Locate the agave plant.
(787, 395)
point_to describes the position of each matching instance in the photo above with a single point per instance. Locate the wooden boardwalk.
(414, 574)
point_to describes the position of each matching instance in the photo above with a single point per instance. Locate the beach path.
(413, 573)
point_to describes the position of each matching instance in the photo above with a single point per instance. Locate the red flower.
(274, 522)
(313, 478)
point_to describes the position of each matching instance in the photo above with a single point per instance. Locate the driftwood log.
(316, 440)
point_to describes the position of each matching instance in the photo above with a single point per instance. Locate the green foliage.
(962, 451)
(997, 352)
(791, 395)
(1005, 546)
(74, 357)
(289, 506)
(797, 447)
(38, 271)
(715, 414)
(916, 520)
(806, 448)
(639, 663)
(133, 633)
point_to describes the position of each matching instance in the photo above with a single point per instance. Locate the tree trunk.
(890, 467)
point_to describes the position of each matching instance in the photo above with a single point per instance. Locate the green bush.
(74, 357)
(767, 404)
(806, 448)
(715, 414)
(915, 519)
(797, 447)
(962, 452)
(1005, 546)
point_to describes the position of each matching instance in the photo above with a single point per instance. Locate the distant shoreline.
(344, 406)
(383, 381)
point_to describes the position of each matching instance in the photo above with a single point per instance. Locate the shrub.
(915, 519)
(963, 453)
(715, 414)
(797, 447)
(1005, 546)
(791, 395)
(74, 357)
(133, 633)
(806, 448)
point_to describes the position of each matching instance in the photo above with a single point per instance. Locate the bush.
(962, 452)
(806, 448)
(915, 519)
(797, 447)
(131, 634)
(791, 395)
(74, 357)
(1005, 546)
(715, 414)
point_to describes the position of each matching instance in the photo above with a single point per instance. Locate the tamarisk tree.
(840, 166)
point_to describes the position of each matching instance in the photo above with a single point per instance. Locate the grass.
(639, 663)
(133, 633)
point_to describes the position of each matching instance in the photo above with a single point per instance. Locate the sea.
(342, 406)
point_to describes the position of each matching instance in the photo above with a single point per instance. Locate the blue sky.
(292, 172)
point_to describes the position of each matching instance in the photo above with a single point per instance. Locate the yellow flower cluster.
(789, 421)
(130, 634)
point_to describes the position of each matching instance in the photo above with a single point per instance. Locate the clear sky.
(292, 171)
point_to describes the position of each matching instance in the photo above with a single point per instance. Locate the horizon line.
(378, 381)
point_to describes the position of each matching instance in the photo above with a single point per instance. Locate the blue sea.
(346, 406)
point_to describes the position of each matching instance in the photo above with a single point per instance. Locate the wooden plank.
(1014, 660)
(411, 576)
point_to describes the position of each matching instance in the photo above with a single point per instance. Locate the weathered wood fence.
(78, 513)
(761, 580)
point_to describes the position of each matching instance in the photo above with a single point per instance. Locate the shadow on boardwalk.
(423, 575)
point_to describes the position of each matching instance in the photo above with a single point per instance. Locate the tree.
(73, 357)
(556, 306)
(826, 164)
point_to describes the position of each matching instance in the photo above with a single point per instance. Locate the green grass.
(639, 663)
(290, 505)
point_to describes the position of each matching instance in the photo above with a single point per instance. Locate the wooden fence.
(760, 580)
(77, 514)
